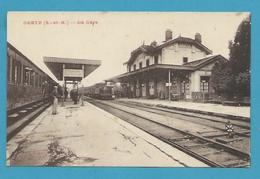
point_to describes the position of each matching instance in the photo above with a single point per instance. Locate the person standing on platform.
(66, 93)
(60, 93)
(54, 100)
(75, 95)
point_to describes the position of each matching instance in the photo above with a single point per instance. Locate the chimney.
(168, 35)
(198, 37)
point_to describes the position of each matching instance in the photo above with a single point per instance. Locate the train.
(99, 91)
(26, 82)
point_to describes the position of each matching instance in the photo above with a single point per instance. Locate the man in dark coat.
(66, 93)
(74, 95)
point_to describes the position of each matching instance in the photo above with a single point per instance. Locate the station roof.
(55, 64)
(161, 67)
(191, 66)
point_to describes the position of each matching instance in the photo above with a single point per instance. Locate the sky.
(111, 36)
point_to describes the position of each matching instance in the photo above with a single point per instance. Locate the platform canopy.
(71, 69)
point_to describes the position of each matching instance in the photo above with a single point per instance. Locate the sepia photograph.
(128, 89)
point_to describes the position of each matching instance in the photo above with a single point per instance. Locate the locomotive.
(100, 91)
(26, 83)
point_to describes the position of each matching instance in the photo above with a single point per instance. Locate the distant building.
(179, 67)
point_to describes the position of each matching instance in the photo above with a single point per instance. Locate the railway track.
(218, 133)
(205, 149)
(18, 118)
(238, 121)
(242, 126)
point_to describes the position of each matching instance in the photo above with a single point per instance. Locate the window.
(147, 62)
(185, 60)
(156, 59)
(27, 77)
(36, 80)
(18, 75)
(40, 80)
(16, 72)
(185, 87)
(204, 83)
(134, 67)
(25, 80)
(140, 65)
(32, 80)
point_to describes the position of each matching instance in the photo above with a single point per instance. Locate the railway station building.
(178, 68)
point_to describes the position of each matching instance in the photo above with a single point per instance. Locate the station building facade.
(178, 68)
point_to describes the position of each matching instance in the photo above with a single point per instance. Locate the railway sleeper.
(196, 145)
(206, 132)
(216, 152)
(244, 133)
(221, 134)
(22, 111)
(222, 157)
(29, 108)
(226, 141)
(37, 105)
(21, 114)
(182, 142)
(243, 165)
(13, 118)
(176, 139)
(15, 115)
(204, 149)
(233, 163)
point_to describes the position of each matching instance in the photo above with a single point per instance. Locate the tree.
(232, 78)
(240, 48)
(222, 78)
(240, 59)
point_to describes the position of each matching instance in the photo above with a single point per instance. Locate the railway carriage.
(26, 83)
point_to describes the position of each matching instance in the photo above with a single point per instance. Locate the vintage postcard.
(128, 89)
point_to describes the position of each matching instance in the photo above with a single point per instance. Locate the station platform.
(88, 136)
(240, 111)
